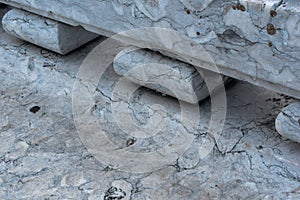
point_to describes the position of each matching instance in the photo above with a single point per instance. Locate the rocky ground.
(42, 156)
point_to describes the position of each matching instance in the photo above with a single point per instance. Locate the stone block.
(44, 32)
(288, 122)
(253, 41)
(164, 74)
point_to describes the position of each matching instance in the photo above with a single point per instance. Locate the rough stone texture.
(44, 32)
(163, 74)
(42, 157)
(256, 41)
(288, 122)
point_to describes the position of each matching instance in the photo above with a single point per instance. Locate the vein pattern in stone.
(288, 122)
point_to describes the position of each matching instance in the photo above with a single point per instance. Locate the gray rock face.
(47, 33)
(288, 122)
(255, 41)
(164, 74)
(42, 156)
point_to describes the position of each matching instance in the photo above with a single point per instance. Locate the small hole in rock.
(130, 142)
(260, 147)
(35, 109)
(273, 13)
(270, 44)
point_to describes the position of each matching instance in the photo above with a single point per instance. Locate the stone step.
(288, 122)
(44, 32)
(166, 75)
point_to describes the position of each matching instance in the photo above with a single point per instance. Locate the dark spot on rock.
(271, 29)
(188, 11)
(130, 142)
(273, 13)
(198, 33)
(275, 99)
(239, 7)
(270, 44)
(242, 8)
(260, 147)
(114, 193)
(35, 109)
(49, 64)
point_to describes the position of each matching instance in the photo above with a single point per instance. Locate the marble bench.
(250, 40)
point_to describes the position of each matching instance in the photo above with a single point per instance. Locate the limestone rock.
(163, 74)
(288, 122)
(249, 161)
(47, 33)
(243, 37)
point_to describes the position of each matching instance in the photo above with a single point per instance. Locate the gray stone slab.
(288, 122)
(255, 41)
(44, 32)
(164, 74)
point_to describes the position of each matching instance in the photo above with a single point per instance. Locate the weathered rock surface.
(164, 74)
(255, 41)
(288, 122)
(44, 32)
(42, 156)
